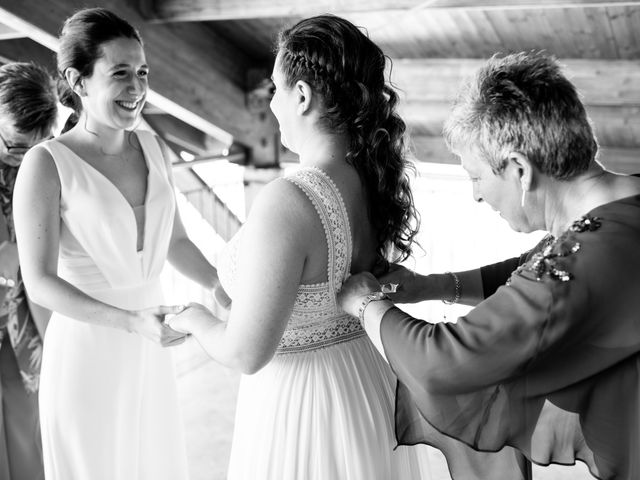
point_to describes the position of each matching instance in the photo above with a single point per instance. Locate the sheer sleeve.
(497, 274)
(548, 382)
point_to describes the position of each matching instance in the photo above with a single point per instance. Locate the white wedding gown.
(108, 400)
(322, 409)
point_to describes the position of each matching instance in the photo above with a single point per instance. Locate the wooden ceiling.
(208, 56)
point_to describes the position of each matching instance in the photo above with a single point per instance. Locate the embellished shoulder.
(546, 262)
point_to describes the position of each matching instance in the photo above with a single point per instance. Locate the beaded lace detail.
(316, 321)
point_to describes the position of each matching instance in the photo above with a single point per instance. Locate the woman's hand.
(354, 290)
(195, 319)
(407, 284)
(150, 323)
(8, 264)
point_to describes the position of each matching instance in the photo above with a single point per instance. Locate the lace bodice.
(316, 320)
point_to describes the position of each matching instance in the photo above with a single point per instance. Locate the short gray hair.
(523, 102)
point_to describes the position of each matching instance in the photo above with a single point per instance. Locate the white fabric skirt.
(108, 401)
(322, 415)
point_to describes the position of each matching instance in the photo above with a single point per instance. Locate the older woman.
(549, 364)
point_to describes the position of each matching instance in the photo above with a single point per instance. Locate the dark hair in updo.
(81, 40)
(343, 66)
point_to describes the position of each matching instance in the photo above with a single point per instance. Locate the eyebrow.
(126, 65)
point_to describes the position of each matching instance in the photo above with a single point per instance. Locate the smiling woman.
(96, 221)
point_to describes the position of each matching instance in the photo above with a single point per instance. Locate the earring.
(524, 194)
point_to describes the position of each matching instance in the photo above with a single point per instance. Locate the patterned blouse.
(16, 323)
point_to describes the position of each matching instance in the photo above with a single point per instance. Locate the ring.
(389, 287)
(10, 283)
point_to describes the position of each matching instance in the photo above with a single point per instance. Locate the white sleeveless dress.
(322, 409)
(108, 401)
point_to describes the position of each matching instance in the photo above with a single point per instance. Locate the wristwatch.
(371, 297)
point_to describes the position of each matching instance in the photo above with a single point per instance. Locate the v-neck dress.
(108, 401)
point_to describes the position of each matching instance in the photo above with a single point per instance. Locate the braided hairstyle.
(343, 66)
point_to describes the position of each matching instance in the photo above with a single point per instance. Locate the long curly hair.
(342, 65)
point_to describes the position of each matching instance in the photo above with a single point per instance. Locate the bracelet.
(458, 291)
(371, 297)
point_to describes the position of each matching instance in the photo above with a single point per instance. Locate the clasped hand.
(194, 319)
(152, 324)
(397, 283)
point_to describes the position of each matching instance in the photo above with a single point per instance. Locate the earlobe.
(74, 81)
(523, 169)
(304, 95)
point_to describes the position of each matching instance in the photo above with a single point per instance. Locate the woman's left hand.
(194, 319)
(354, 290)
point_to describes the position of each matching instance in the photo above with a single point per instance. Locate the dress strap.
(152, 150)
(328, 202)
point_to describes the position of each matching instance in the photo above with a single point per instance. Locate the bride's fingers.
(170, 336)
(176, 324)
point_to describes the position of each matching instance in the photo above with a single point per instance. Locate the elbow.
(252, 362)
(35, 290)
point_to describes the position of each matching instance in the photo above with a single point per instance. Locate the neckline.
(118, 193)
(112, 185)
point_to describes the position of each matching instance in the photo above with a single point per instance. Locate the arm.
(481, 349)
(183, 254)
(272, 254)
(497, 274)
(188, 259)
(36, 205)
(414, 287)
(475, 285)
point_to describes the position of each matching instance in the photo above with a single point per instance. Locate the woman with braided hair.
(316, 399)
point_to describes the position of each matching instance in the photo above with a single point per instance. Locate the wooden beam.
(195, 75)
(621, 160)
(8, 33)
(615, 126)
(27, 50)
(600, 82)
(209, 10)
(205, 159)
(177, 132)
(434, 150)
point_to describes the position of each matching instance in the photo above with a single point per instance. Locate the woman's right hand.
(407, 285)
(150, 324)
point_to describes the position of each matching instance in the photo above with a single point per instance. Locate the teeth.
(129, 105)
